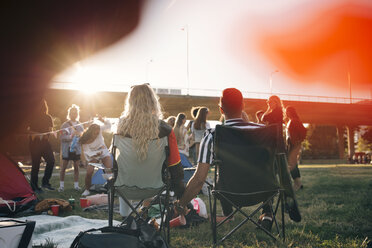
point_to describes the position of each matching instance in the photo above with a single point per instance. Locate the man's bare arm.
(195, 184)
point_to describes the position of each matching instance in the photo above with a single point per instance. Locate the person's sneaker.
(61, 189)
(77, 188)
(86, 193)
(37, 190)
(48, 187)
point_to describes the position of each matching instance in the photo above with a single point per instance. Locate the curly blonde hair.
(140, 119)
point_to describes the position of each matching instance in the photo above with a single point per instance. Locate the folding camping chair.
(246, 175)
(140, 180)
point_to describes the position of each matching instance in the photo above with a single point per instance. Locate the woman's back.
(199, 133)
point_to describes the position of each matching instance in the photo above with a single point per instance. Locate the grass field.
(336, 208)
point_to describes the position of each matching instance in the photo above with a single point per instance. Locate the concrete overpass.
(111, 104)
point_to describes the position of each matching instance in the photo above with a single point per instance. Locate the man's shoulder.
(209, 131)
(238, 123)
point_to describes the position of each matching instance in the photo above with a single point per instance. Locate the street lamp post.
(186, 28)
(147, 70)
(348, 79)
(271, 81)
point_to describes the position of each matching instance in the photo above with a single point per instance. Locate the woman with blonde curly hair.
(145, 136)
(140, 119)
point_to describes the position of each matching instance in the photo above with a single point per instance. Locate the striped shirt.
(206, 154)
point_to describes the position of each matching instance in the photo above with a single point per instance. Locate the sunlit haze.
(201, 47)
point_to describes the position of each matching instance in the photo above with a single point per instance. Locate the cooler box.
(11, 233)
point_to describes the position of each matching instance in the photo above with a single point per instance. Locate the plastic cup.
(55, 209)
(72, 202)
(84, 202)
(178, 221)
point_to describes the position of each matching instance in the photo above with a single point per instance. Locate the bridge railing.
(289, 97)
(118, 87)
(307, 98)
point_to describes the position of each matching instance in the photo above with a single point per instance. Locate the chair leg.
(167, 212)
(275, 212)
(111, 194)
(282, 208)
(214, 220)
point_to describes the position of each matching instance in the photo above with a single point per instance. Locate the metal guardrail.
(118, 87)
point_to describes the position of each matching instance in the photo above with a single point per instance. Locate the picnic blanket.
(60, 230)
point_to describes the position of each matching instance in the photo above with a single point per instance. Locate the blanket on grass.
(60, 230)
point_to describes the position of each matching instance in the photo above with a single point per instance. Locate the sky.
(203, 46)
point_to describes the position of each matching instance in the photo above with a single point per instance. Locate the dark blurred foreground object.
(41, 38)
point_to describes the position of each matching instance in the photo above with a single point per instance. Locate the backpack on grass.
(143, 235)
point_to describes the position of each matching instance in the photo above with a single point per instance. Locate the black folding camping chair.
(159, 195)
(246, 174)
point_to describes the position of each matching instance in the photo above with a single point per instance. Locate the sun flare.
(88, 79)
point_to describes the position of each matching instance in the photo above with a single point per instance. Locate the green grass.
(336, 208)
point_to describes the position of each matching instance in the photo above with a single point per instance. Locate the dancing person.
(296, 133)
(199, 126)
(141, 123)
(95, 150)
(231, 106)
(39, 128)
(70, 147)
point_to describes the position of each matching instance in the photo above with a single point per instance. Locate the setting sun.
(86, 79)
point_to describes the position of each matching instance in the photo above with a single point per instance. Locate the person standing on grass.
(199, 126)
(296, 133)
(70, 147)
(182, 139)
(274, 115)
(39, 144)
(274, 112)
(95, 150)
(192, 145)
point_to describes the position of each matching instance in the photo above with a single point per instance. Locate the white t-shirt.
(97, 150)
(198, 134)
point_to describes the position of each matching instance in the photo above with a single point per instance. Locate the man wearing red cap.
(231, 106)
